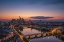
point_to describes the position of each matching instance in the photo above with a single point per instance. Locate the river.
(27, 31)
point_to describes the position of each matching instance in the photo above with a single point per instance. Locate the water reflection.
(46, 39)
(29, 31)
(51, 38)
(60, 37)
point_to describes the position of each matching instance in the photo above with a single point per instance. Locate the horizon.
(31, 20)
(35, 20)
(49, 10)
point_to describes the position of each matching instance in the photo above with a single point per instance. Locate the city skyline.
(32, 9)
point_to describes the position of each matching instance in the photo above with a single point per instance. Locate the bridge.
(40, 28)
(36, 35)
(52, 32)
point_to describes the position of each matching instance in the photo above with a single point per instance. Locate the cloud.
(41, 17)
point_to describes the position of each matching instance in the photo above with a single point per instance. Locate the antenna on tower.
(19, 17)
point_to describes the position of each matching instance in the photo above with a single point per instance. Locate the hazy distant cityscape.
(11, 31)
(31, 20)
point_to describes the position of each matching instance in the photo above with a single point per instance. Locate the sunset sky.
(32, 9)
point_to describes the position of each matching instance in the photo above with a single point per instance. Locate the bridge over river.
(43, 34)
(36, 35)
